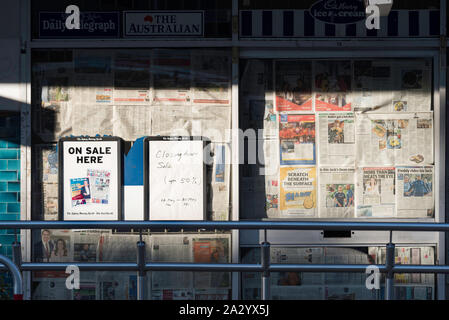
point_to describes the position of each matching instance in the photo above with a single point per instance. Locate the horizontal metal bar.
(227, 267)
(87, 266)
(378, 43)
(226, 225)
(323, 267)
(216, 267)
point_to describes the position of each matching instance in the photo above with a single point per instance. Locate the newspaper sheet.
(212, 249)
(296, 256)
(332, 85)
(414, 192)
(52, 246)
(409, 255)
(171, 71)
(346, 256)
(171, 248)
(272, 196)
(211, 74)
(375, 192)
(131, 122)
(132, 78)
(336, 139)
(293, 80)
(93, 89)
(390, 139)
(297, 139)
(52, 99)
(118, 248)
(114, 285)
(336, 192)
(392, 85)
(45, 183)
(92, 120)
(213, 123)
(212, 294)
(298, 191)
(51, 289)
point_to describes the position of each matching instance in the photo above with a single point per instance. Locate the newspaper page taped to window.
(298, 196)
(392, 85)
(375, 192)
(132, 78)
(336, 138)
(332, 85)
(171, 71)
(297, 139)
(211, 74)
(293, 85)
(395, 139)
(414, 192)
(336, 192)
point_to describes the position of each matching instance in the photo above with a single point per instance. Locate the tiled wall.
(9, 187)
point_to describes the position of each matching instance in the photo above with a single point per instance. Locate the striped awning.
(300, 23)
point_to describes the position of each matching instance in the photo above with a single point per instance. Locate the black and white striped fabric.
(300, 23)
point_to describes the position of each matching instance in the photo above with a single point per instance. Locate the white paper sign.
(90, 180)
(176, 180)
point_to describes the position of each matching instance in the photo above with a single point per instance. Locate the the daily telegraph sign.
(163, 23)
(92, 25)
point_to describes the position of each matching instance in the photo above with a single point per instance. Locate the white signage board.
(163, 23)
(90, 178)
(174, 178)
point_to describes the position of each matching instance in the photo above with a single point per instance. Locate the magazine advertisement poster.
(298, 191)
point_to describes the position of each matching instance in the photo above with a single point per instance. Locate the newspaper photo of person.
(417, 185)
(340, 195)
(81, 192)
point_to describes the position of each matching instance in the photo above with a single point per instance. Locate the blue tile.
(8, 176)
(6, 240)
(8, 196)
(9, 216)
(3, 144)
(8, 154)
(13, 207)
(3, 208)
(14, 186)
(3, 186)
(13, 164)
(3, 164)
(13, 145)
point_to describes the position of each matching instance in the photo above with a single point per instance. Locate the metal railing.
(265, 267)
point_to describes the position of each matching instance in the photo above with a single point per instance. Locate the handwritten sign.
(90, 178)
(175, 187)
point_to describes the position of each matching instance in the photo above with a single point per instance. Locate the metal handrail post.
(17, 276)
(17, 254)
(141, 278)
(265, 261)
(389, 264)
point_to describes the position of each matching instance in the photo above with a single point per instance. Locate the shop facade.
(309, 119)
